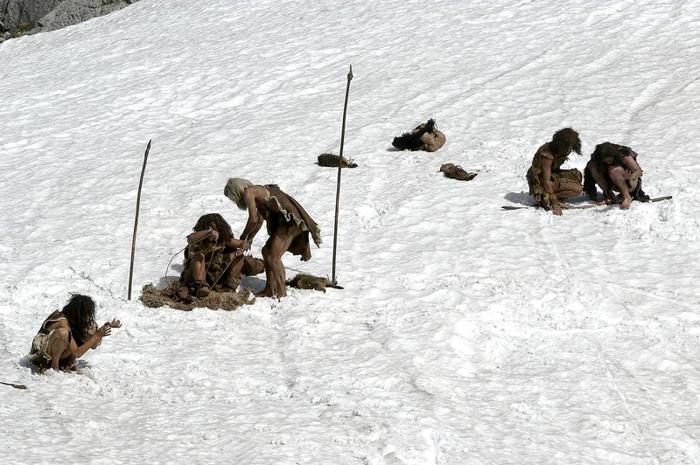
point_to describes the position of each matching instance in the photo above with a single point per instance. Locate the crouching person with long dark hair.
(67, 334)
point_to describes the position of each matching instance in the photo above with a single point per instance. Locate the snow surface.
(465, 334)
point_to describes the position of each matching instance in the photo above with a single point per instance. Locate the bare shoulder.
(257, 192)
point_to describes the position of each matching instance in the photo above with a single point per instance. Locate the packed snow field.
(465, 334)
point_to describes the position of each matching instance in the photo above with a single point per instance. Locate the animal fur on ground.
(425, 136)
(307, 281)
(176, 296)
(330, 159)
(450, 170)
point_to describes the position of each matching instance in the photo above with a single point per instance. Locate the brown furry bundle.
(425, 136)
(332, 160)
(450, 170)
(177, 296)
(307, 281)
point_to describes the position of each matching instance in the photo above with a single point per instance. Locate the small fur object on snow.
(456, 172)
(330, 159)
(307, 281)
(425, 136)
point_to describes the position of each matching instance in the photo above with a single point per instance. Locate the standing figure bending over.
(288, 226)
(614, 168)
(67, 334)
(547, 181)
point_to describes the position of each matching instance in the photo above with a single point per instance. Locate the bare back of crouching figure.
(288, 226)
(549, 183)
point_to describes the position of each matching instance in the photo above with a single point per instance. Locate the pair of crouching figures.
(613, 167)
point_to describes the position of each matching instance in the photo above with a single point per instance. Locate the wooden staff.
(136, 220)
(334, 282)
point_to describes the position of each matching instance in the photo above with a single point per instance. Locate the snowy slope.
(465, 334)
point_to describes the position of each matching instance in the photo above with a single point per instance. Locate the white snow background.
(465, 334)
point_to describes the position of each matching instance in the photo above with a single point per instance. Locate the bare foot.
(626, 203)
(263, 293)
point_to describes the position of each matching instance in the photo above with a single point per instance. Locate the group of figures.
(215, 259)
(613, 167)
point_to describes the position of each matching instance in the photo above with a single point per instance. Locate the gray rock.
(31, 16)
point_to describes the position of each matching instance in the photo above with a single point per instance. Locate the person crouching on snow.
(614, 168)
(66, 335)
(548, 183)
(214, 257)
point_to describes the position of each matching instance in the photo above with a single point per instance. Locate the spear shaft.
(136, 219)
(334, 282)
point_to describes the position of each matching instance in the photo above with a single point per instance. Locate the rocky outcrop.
(30, 16)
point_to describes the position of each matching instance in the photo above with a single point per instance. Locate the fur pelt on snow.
(307, 281)
(332, 160)
(450, 170)
(425, 136)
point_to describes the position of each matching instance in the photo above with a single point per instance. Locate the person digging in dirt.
(214, 257)
(67, 334)
(288, 227)
(548, 183)
(614, 168)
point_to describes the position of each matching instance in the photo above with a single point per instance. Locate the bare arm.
(549, 185)
(94, 340)
(632, 169)
(200, 235)
(255, 221)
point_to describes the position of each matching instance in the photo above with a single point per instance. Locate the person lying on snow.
(614, 168)
(67, 334)
(288, 226)
(548, 183)
(214, 257)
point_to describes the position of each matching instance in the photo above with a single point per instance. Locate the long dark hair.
(609, 150)
(218, 222)
(80, 313)
(564, 142)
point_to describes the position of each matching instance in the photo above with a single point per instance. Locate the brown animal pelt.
(307, 281)
(332, 160)
(425, 136)
(450, 170)
(176, 296)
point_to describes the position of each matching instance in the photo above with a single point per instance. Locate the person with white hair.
(288, 226)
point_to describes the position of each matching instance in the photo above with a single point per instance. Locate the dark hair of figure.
(217, 222)
(80, 313)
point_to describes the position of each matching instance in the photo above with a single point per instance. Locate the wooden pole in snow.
(136, 219)
(334, 282)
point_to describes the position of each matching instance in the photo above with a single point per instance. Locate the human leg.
(275, 274)
(620, 184)
(58, 346)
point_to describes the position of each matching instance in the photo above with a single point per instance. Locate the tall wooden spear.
(334, 282)
(136, 219)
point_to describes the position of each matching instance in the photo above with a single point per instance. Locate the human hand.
(105, 330)
(245, 245)
(556, 209)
